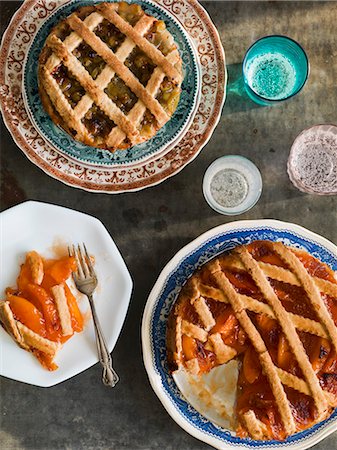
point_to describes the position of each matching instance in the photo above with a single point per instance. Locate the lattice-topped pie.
(274, 308)
(110, 75)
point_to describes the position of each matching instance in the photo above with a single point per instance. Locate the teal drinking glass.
(275, 68)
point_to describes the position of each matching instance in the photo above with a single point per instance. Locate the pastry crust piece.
(10, 324)
(35, 264)
(63, 309)
(36, 341)
(26, 338)
(255, 427)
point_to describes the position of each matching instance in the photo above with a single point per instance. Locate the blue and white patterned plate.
(166, 137)
(163, 296)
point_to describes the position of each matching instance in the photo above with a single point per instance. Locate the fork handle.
(109, 376)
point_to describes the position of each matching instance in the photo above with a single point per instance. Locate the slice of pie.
(42, 313)
(110, 75)
(274, 308)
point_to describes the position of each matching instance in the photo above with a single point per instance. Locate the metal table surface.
(150, 226)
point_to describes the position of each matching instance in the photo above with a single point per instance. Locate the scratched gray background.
(150, 226)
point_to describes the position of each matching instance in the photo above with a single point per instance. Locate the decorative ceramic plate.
(48, 229)
(166, 137)
(163, 296)
(136, 175)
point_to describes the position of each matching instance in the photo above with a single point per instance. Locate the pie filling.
(94, 120)
(207, 328)
(41, 313)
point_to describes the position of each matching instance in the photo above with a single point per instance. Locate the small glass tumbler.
(312, 163)
(275, 68)
(232, 185)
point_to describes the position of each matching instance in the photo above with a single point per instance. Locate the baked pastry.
(110, 75)
(42, 313)
(275, 309)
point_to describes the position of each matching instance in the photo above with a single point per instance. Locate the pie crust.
(275, 309)
(110, 75)
(41, 313)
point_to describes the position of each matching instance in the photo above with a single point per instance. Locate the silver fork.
(86, 282)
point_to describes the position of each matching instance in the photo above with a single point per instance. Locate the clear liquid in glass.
(271, 75)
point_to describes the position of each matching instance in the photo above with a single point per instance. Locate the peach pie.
(110, 75)
(274, 308)
(42, 313)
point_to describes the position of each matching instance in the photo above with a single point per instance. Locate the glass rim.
(307, 69)
(212, 203)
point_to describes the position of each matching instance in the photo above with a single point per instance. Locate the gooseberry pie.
(274, 308)
(110, 75)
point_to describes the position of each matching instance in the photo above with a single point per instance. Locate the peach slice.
(61, 270)
(25, 277)
(251, 366)
(43, 301)
(75, 313)
(189, 347)
(28, 314)
(283, 352)
(225, 324)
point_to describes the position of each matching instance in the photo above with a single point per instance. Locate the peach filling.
(34, 306)
(254, 392)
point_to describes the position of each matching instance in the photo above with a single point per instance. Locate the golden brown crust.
(126, 128)
(311, 289)
(10, 324)
(223, 352)
(213, 284)
(255, 427)
(157, 57)
(35, 263)
(23, 336)
(36, 341)
(121, 70)
(62, 309)
(288, 327)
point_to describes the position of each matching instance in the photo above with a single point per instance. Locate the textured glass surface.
(274, 69)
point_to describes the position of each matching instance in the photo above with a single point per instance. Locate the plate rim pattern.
(154, 327)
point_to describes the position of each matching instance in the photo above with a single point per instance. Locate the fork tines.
(83, 261)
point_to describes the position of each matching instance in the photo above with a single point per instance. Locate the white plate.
(44, 228)
(162, 297)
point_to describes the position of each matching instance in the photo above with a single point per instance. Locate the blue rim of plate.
(164, 138)
(174, 281)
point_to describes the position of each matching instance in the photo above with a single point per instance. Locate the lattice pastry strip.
(253, 305)
(310, 288)
(157, 57)
(260, 272)
(120, 69)
(74, 40)
(259, 345)
(287, 327)
(255, 427)
(127, 127)
(94, 91)
(137, 112)
(283, 275)
(221, 350)
(63, 107)
(107, 74)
